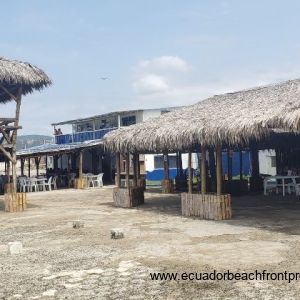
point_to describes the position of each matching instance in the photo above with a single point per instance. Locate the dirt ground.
(61, 262)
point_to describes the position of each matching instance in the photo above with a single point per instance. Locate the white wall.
(149, 161)
(265, 162)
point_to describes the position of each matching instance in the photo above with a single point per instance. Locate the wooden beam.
(190, 173)
(7, 120)
(6, 153)
(29, 163)
(11, 127)
(229, 164)
(14, 138)
(80, 163)
(127, 170)
(203, 170)
(8, 92)
(118, 169)
(219, 169)
(241, 164)
(166, 165)
(134, 161)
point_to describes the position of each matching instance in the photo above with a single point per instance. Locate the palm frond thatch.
(232, 118)
(14, 74)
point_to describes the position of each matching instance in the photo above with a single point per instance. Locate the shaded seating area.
(249, 120)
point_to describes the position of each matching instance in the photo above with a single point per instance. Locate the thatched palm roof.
(14, 74)
(233, 118)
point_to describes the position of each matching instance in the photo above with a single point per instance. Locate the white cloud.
(150, 84)
(168, 63)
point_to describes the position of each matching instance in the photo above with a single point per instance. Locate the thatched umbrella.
(14, 74)
(16, 79)
(232, 119)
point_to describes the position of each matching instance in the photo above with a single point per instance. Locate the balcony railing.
(83, 136)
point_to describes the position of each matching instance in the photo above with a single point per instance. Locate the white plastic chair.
(23, 184)
(48, 184)
(98, 181)
(32, 184)
(54, 183)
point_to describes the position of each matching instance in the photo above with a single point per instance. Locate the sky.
(155, 53)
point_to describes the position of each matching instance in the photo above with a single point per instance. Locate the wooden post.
(14, 140)
(134, 163)
(229, 164)
(219, 169)
(138, 167)
(166, 166)
(254, 163)
(29, 166)
(37, 164)
(127, 166)
(8, 171)
(254, 181)
(241, 165)
(22, 166)
(180, 164)
(190, 173)
(80, 163)
(203, 170)
(212, 165)
(118, 169)
(46, 161)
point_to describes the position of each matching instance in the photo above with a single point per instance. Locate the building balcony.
(79, 137)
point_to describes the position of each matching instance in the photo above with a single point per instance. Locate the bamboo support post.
(229, 164)
(80, 163)
(127, 166)
(134, 163)
(166, 166)
(241, 164)
(203, 170)
(118, 169)
(219, 169)
(190, 173)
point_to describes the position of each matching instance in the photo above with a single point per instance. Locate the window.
(273, 161)
(129, 120)
(159, 161)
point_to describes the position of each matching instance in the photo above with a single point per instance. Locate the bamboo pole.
(118, 169)
(14, 140)
(22, 166)
(80, 163)
(138, 167)
(190, 173)
(8, 171)
(229, 164)
(180, 163)
(46, 161)
(166, 166)
(127, 170)
(37, 165)
(28, 166)
(203, 170)
(241, 165)
(134, 163)
(219, 169)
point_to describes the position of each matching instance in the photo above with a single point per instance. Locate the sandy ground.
(61, 262)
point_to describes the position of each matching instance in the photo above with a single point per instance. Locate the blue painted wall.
(157, 174)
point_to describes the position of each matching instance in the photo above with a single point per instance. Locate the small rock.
(116, 233)
(50, 293)
(15, 247)
(78, 224)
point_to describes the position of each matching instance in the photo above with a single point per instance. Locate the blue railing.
(80, 137)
